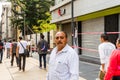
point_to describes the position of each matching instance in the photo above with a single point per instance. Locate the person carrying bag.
(26, 52)
(21, 50)
(42, 47)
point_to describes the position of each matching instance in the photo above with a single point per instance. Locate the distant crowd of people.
(15, 49)
(63, 63)
(64, 60)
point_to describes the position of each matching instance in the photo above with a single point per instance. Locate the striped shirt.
(63, 65)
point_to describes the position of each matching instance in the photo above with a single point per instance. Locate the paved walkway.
(32, 71)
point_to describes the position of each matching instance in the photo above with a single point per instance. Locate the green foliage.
(34, 11)
(44, 25)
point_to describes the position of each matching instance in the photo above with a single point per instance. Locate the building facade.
(91, 18)
(5, 21)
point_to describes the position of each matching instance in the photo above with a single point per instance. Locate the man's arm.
(11, 50)
(102, 58)
(103, 68)
(17, 51)
(74, 66)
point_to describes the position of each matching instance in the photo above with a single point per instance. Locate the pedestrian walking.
(42, 51)
(32, 44)
(29, 47)
(8, 46)
(105, 49)
(113, 71)
(64, 61)
(1, 49)
(13, 52)
(20, 50)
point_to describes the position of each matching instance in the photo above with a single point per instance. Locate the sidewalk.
(32, 71)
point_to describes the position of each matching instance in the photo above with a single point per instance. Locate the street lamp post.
(72, 21)
(15, 15)
(24, 25)
(7, 23)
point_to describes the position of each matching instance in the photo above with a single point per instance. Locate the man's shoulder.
(43, 40)
(14, 42)
(23, 41)
(70, 49)
(1, 43)
(103, 44)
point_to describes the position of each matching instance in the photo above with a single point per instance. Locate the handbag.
(26, 52)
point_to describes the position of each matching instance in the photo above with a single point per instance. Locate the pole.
(24, 25)
(30, 29)
(7, 23)
(72, 21)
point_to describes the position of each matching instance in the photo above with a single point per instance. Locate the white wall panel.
(81, 7)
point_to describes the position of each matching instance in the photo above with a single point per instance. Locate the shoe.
(11, 64)
(45, 69)
(40, 67)
(23, 70)
(17, 65)
(19, 69)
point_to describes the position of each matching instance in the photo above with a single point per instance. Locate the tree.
(45, 25)
(34, 11)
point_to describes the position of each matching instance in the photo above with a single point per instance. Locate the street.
(88, 71)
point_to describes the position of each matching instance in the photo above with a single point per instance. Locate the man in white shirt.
(20, 52)
(64, 61)
(105, 49)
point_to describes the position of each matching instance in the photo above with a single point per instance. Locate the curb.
(89, 59)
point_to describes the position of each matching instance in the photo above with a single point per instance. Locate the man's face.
(101, 40)
(60, 40)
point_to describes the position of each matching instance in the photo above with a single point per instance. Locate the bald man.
(64, 61)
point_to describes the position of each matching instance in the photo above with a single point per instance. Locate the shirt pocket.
(61, 67)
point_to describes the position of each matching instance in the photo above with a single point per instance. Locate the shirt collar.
(64, 50)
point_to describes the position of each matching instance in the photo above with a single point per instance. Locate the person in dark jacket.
(13, 52)
(42, 47)
(1, 49)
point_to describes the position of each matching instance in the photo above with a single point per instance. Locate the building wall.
(86, 14)
(91, 41)
(81, 7)
(67, 28)
(6, 26)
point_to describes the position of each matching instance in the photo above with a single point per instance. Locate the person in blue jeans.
(1, 49)
(42, 47)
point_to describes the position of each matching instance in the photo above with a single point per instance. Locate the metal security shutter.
(67, 28)
(91, 41)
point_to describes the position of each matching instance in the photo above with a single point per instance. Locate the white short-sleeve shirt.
(105, 49)
(21, 49)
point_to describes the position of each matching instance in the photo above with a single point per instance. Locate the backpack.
(14, 46)
(44, 46)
